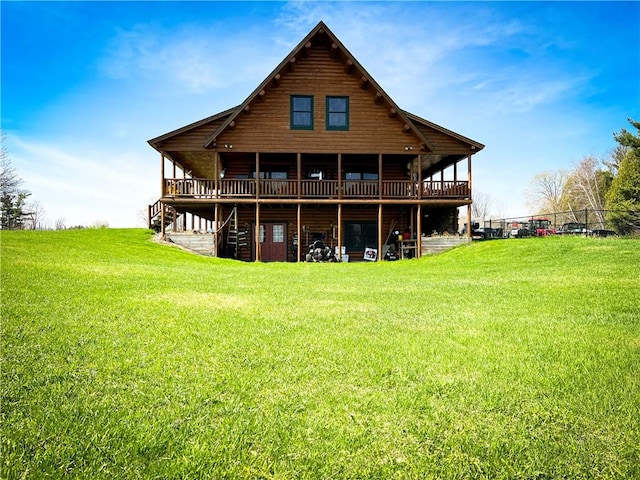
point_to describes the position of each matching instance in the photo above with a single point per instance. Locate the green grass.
(123, 358)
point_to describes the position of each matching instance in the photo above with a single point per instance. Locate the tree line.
(13, 199)
(609, 187)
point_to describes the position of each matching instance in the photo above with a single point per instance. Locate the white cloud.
(470, 67)
(191, 59)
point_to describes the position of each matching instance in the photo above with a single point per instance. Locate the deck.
(309, 189)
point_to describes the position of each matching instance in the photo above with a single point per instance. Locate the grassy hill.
(124, 358)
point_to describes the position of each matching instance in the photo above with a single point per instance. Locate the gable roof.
(321, 34)
(337, 48)
(155, 142)
(422, 122)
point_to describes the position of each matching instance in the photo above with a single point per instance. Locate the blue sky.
(86, 84)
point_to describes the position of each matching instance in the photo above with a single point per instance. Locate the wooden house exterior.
(317, 151)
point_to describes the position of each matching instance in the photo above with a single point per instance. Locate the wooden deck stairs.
(155, 216)
(200, 243)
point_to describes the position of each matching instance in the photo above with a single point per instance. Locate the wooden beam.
(162, 162)
(292, 64)
(469, 175)
(406, 128)
(392, 112)
(299, 176)
(340, 232)
(162, 221)
(232, 124)
(339, 176)
(307, 49)
(257, 176)
(469, 229)
(418, 232)
(379, 259)
(216, 174)
(258, 252)
(276, 80)
(334, 50)
(378, 97)
(348, 68)
(246, 110)
(419, 166)
(216, 234)
(299, 231)
(364, 83)
(380, 176)
(261, 95)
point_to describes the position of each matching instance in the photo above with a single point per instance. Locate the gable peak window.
(301, 112)
(337, 113)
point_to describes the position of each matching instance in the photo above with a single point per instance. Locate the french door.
(273, 242)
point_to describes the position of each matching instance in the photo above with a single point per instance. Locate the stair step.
(434, 245)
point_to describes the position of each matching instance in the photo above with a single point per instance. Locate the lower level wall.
(321, 222)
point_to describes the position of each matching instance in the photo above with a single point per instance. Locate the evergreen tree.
(12, 198)
(623, 198)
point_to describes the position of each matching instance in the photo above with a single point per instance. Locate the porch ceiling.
(201, 163)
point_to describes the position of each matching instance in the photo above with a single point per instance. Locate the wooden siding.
(267, 125)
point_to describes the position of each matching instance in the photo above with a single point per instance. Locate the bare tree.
(545, 192)
(587, 185)
(481, 205)
(60, 224)
(35, 216)
(12, 197)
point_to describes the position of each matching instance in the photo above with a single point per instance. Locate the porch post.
(380, 232)
(257, 232)
(339, 182)
(340, 232)
(418, 232)
(216, 221)
(257, 175)
(470, 197)
(380, 176)
(419, 166)
(299, 175)
(216, 175)
(162, 175)
(216, 209)
(299, 228)
(162, 220)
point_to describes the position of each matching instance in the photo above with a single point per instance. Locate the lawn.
(124, 358)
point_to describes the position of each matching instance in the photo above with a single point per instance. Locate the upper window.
(301, 112)
(337, 113)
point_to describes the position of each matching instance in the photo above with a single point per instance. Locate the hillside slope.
(125, 358)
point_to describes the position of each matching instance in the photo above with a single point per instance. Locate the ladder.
(236, 237)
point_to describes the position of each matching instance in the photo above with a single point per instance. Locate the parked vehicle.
(603, 233)
(519, 230)
(540, 227)
(572, 228)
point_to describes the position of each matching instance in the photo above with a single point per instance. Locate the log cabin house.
(317, 151)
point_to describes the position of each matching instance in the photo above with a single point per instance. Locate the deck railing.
(288, 188)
